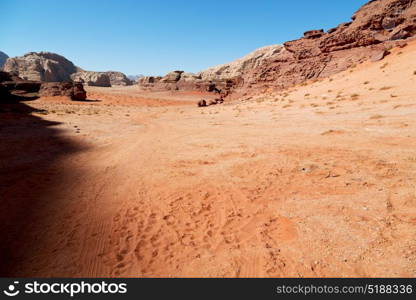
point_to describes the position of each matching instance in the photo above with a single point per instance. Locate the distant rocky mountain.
(52, 67)
(118, 78)
(134, 78)
(376, 27)
(3, 58)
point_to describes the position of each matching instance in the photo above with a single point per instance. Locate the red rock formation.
(375, 28)
(68, 89)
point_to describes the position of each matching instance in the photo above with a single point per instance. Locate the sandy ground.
(316, 181)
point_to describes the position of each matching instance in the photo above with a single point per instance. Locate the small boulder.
(314, 34)
(202, 103)
(380, 55)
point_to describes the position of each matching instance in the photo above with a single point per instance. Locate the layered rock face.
(3, 58)
(376, 27)
(42, 66)
(92, 78)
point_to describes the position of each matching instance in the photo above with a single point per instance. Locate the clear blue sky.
(157, 36)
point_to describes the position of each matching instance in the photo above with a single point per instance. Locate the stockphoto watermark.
(71, 289)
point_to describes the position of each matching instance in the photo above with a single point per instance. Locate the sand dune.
(315, 181)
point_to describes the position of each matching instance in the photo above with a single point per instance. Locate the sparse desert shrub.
(366, 82)
(385, 65)
(376, 117)
(355, 96)
(385, 88)
(414, 72)
(307, 95)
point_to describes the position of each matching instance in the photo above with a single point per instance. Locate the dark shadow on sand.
(30, 148)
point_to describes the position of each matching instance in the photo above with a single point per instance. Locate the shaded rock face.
(118, 78)
(68, 89)
(13, 88)
(41, 66)
(3, 58)
(92, 78)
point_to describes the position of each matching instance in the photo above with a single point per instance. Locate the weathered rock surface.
(3, 58)
(91, 78)
(51, 67)
(68, 89)
(242, 65)
(41, 66)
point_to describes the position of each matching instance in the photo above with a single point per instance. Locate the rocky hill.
(41, 66)
(51, 67)
(3, 58)
(375, 28)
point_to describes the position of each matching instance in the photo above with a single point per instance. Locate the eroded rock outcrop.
(75, 91)
(91, 78)
(41, 66)
(15, 88)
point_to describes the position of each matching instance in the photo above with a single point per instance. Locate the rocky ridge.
(375, 28)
